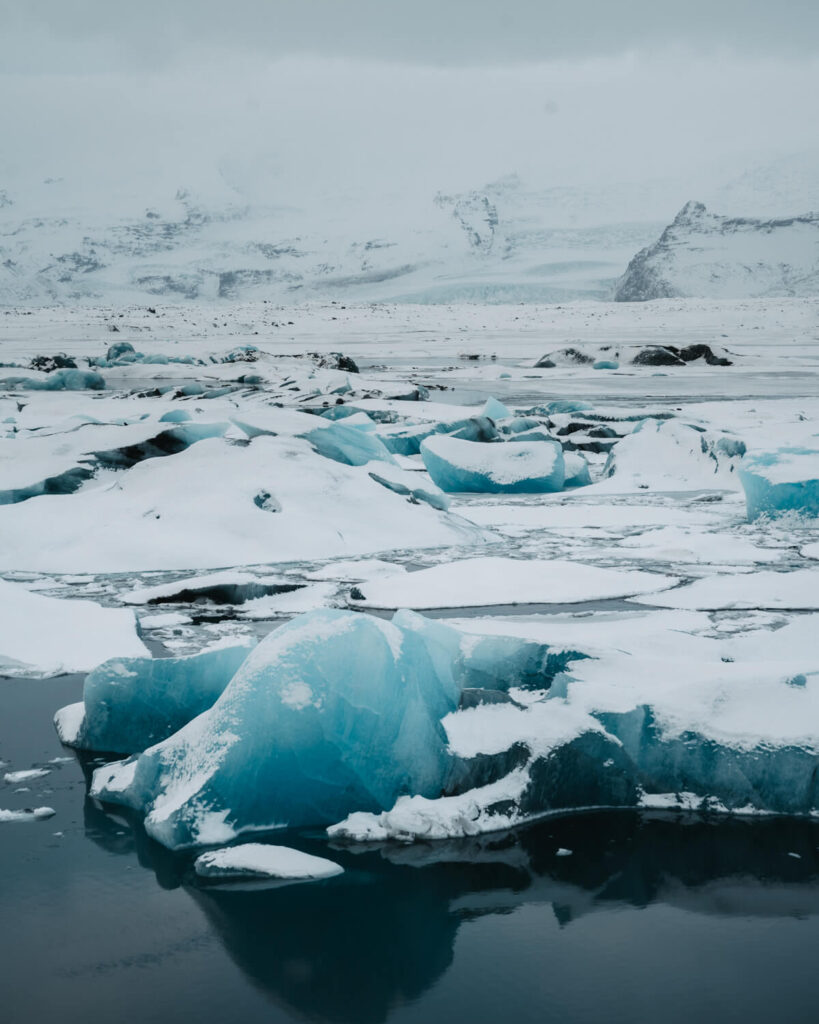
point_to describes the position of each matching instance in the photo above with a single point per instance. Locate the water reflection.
(354, 947)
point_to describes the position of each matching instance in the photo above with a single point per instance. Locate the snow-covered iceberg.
(525, 468)
(333, 713)
(779, 481)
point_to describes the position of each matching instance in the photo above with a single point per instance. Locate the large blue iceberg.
(525, 468)
(333, 713)
(780, 481)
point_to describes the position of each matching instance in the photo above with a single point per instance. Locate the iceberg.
(524, 468)
(131, 703)
(672, 456)
(495, 410)
(780, 481)
(333, 712)
(349, 445)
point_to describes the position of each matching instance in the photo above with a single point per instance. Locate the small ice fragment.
(257, 860)
(27, 814)
(27, 775)
(563, 852)
(797, 855)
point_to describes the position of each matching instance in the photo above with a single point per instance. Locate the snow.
(44, 636)
(797, 590)
(256, 860)
(197, 509)
(503, 581)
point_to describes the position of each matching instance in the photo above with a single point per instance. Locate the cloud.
(44, 35)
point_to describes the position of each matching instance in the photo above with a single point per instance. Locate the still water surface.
(649, 919)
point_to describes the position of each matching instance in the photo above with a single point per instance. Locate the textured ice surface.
(131, 703)
(780, 481)
(28, 814)
(499, 581)
(204, 507)
(43, 636)
(59, 380)
(258, 861)
(333, 712)
(348, 444)
(797, 590)
(524, 468)
(671, 456)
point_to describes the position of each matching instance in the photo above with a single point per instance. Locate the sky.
(311, 103)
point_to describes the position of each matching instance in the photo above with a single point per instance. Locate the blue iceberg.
(131, 703)
(523, 468)
(335, 712)
(780, 481)
(348, 444)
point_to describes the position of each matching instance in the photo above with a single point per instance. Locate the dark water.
(650, 919)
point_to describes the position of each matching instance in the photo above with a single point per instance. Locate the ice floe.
(45, 636)
(474, 582)
(259, 861)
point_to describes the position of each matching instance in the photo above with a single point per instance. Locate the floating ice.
(333, 712)
(671, 456)
(576, 469)
(495, 410)
(58, 380)
(26, 775)
(500, 581)
(43, 636)
(27, 814)
(797, 590)
(524, 468)
(131, 703)
(348, 444)
(259, 861)
(784, 480)
(198, 509)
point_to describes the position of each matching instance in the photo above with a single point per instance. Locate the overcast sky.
(296, 100)
(449, 32)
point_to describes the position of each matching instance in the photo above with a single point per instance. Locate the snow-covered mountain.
(503, 242)
(705, 255)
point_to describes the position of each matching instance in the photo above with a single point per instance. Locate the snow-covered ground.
(258, 476)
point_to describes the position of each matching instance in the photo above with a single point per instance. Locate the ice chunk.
(258, 861)
(59, 380)
(499, 581)
(131, 703)
(524, 468)
(27, 814)
(668, 455)
(43, 636)
(495, 410)
(26, 775)
(784, 480)
(333, 712)
(577, 470)
(347, 444)
(606, 364)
